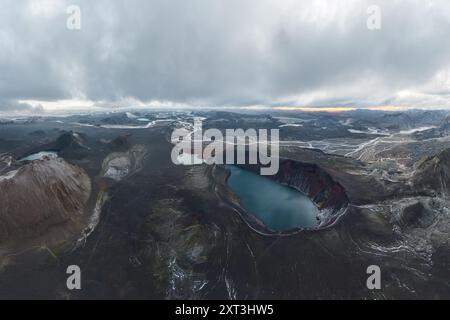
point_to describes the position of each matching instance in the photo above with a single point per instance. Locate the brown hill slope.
(40, 195)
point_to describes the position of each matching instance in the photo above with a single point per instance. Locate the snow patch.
(8, 176)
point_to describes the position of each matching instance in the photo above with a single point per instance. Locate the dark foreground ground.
(169, 232)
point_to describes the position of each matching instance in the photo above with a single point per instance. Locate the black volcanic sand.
(165, 233)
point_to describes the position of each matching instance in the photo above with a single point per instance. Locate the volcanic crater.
(308, 179)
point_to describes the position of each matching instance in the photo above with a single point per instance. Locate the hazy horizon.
(68, 55)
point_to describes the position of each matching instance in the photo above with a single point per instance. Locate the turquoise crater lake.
(279, 207)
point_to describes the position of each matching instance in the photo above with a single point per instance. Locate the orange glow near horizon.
(318, 109)
(341, 109)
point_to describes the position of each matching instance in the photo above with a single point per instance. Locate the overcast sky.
(213, 53)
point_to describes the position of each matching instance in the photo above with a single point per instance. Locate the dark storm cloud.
(215, 53)
(13, 105)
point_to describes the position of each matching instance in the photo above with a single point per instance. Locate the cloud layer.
(226, 53)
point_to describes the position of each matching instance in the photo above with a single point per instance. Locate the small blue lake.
(39, 155)
(279, 207)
